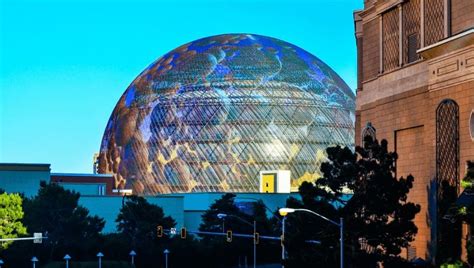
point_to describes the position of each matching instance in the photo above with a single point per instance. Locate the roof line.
(81, 174)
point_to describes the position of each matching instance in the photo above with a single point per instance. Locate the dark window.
(447, 180)
(412, 47)
(471, 125)
(411, 253)
(447, 143)
(368, 132)
(411, 30)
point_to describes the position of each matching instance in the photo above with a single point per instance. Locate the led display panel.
(211, 114)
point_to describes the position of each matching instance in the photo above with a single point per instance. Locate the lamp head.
(221, 215)
(284, 211)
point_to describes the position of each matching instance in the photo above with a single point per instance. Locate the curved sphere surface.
(211, 114)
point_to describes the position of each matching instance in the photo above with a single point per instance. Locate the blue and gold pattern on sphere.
(211, 114)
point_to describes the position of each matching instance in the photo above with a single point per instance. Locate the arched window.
(369, 131)
(447, 176)
(447, 143)
(471, 125)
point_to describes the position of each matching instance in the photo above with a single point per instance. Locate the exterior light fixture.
(284, 211)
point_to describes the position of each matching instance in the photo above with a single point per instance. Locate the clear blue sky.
(64, 64)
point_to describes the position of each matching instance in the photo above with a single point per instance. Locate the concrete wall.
(83, 188)
(23, 178)
(186, 209)
(202, 201)
(195, 204)
(108, 207)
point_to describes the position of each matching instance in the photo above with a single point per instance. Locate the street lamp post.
(100, 255)
(132, 255)
(283, 257)
(223, 224)
(67, 258)
(258, 200)
(340, 224)
(166, 252)
(34, 260)
(223, 216)
(254, 244)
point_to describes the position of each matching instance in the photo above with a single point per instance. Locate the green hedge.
(452, 265)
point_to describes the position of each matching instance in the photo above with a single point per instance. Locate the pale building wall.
(401, 103)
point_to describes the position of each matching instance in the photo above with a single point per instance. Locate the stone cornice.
(448, 45)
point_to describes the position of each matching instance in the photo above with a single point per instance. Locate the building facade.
(97, 195)
(86, 184)
(416, 90)
(23, 178)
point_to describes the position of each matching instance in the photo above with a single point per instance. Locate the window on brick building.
(369, 132)
(447, 142)
(412, 48)
(471, 125)
(448, 234)
(411, 253)
(390, 38)
(434, 21)
(411, 30)
(101, 190)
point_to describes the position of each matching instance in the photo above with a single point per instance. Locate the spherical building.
(211, 114)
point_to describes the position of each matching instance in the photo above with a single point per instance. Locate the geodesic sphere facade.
(211, 114)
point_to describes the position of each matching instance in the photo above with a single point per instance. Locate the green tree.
(221, 253)
(11, 214)
(464, 212)
(137, 223)
(138, 220)
(55, 212)
(378, 218)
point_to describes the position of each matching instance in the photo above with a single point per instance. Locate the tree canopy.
(137, 226)
(458, 213)
(11, 215)
(56, 213)
(378, 217)
(138, 219)
(223, 254)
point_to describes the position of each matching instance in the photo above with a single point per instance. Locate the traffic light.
(159, 231)
(256, 238)
(183, 233)
(229, 236)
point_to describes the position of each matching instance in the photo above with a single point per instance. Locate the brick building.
(416, 90)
